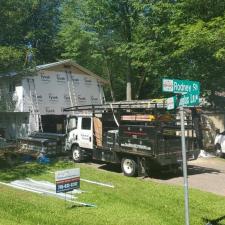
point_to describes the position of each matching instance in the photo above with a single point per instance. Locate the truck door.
(85, 135)
(71, 131)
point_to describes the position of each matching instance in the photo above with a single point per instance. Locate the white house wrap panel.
(50, 92)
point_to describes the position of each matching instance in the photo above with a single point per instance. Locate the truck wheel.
(76, 154)
(129, 167)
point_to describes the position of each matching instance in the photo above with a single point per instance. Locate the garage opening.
(53, 123)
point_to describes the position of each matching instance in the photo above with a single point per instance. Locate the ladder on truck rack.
(121, 105)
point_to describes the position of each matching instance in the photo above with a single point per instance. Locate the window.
(72, 124)
(86, 124)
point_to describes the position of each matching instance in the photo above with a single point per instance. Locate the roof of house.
(71, 63)
(50, 65)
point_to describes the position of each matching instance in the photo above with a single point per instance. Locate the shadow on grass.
(111, 167)
(192, 170)
(105, 166)
(19, 169)
(213, 222)
(158, 173)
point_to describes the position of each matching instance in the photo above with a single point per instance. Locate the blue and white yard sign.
(67, 180)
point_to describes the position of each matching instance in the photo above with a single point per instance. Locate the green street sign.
(187, 100)
(180, 86)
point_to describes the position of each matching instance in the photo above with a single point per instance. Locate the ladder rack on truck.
(121, 105)
(137, 134)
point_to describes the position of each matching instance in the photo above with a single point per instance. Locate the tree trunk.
(129, 88)
(129, 91)
(109, 74)
(140, 85)
(110, 81)
(126, 14)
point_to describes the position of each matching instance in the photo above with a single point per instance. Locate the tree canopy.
(24, 23)
(132, 43)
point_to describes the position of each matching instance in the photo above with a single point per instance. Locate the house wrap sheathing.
(51, 88)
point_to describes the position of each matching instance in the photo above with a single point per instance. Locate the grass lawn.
(132, 201)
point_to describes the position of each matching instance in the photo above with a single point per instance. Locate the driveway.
(206, 174)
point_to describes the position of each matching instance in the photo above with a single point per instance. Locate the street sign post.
(189, 96)
(184, 159)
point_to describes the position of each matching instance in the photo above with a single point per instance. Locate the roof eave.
(73, 63)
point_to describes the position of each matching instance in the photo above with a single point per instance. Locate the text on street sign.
(180, 86)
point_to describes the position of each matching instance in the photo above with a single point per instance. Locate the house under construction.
(35, 101)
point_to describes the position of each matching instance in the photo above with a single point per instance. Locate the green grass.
(133, 201)
(220, 159)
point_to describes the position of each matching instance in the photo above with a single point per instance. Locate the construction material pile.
(48, 143)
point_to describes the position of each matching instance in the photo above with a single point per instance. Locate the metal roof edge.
(49, 65)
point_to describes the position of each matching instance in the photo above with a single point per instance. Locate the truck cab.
(79, 131)
(220, 143)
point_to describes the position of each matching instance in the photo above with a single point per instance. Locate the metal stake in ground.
(186, 198)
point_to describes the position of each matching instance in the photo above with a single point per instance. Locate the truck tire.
(129, 167)
(76, 154)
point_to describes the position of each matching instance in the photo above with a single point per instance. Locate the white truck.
(220, 144)
(139, 135)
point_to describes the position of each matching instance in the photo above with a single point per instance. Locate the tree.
(100, 32)
(13, 14)
(23, 22)
(41, 27)
(144, 41)
(182, 39)
(200, 44)
(10, 57)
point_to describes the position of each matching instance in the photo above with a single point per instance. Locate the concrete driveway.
(206, 174)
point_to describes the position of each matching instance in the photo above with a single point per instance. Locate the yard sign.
(67, 180)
